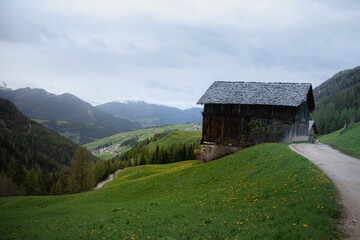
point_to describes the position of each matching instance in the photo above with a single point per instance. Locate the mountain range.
(83, 123)
(152, 114)
(40, 104)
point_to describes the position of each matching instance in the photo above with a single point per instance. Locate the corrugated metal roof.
(259, 93)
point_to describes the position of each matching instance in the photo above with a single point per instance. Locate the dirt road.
(344, 171)
(102, 183)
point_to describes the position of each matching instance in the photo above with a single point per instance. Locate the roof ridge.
(264, 93)
(220, 81)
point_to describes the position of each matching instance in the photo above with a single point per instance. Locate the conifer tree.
(157, 154)
(31, 183)
(41, 182)
(81, 177)
(7, 186)
(58, 188)
(16, 171)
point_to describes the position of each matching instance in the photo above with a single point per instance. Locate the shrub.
(261, 131)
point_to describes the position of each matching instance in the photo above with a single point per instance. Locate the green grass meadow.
(263, 192)
(177, 137)
(347, 141)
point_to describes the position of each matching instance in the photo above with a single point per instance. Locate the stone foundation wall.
(211, 152)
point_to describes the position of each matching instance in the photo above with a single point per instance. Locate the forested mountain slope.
(336, 99)
(337, 83)
(80, 133)
(27, 146)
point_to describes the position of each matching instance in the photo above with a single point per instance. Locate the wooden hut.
(230, 106)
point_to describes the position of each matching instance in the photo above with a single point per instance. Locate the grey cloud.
(211, 39)
(166, 87)
(17, 31)
(179, 57)
(20, 26)
(98, 43)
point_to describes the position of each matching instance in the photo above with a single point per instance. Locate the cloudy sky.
(169, 52)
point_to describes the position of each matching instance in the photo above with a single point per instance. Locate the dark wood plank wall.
(228, 123)
(302, 120)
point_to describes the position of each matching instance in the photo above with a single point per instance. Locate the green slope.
(347, 141)
(141, 133)
(263, 192)
(177, 137)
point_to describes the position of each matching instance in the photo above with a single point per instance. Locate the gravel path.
(344, 171)
(102, 183)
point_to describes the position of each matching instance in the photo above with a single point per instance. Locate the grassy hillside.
(263, 192)
(122, 137)
(177, 137)
(347, 141)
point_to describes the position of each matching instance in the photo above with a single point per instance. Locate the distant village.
(195, 127)
(110, 149)
(113, 148)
